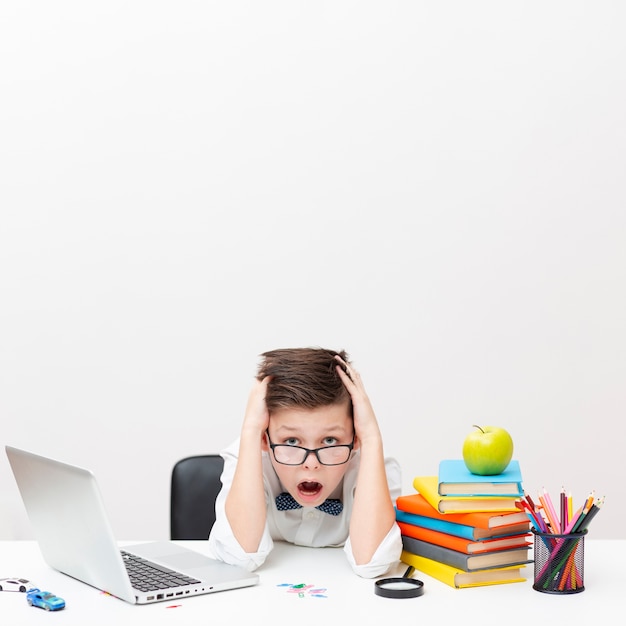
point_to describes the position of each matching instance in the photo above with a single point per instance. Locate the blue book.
(473, 533)
(456, 480)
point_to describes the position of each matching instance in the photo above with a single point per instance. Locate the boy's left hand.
(365, 423)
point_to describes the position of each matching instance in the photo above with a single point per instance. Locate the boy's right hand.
(245, 501)
(257, 417)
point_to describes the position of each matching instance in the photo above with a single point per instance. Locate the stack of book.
(464, 529)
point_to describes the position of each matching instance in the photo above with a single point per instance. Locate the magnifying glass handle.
(409, 572)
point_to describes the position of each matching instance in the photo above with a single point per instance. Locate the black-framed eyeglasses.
(297, 455)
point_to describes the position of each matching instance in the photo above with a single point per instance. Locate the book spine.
(427, 487)
(458, 530)
(417, 504)
(459, 579)
(435, 552)
(435, 536)
(456, 480)
(452, 491)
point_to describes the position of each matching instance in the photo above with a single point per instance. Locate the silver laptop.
(67, 514)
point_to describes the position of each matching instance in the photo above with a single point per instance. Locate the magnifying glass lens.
(399, 588)
(400, 584)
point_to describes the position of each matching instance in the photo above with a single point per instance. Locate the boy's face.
(311, 482)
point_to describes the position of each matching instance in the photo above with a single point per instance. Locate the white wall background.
(437, 188)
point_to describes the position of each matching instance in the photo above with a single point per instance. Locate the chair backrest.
(194, 488)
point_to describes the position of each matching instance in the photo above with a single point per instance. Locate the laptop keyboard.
(147, 576)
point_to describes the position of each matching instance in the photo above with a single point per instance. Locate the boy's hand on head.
(257, 416)
(373, 514)
(245, 500)
(365, 424)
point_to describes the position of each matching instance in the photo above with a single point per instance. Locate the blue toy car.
(44, 600)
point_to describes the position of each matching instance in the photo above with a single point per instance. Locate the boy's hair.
(303, 377)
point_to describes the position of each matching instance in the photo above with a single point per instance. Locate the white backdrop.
(437, 188)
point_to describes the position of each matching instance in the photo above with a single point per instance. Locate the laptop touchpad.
(185, 561)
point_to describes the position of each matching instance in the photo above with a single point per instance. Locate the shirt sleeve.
(222, 543)
(388, 552)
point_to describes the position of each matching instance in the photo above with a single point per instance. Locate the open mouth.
(309, 490)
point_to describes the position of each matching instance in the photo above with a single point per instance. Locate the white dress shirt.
(305, 526)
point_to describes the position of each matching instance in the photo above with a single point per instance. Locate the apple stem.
(479, 428)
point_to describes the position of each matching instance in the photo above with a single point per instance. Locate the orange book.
(460, 544)
(418, 505)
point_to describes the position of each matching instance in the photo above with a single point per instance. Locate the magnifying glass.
(400, 586)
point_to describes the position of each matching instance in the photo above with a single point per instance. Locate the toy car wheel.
(30, 602)
(23, 589)
(46, 607)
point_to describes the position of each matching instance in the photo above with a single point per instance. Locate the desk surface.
(347, 595)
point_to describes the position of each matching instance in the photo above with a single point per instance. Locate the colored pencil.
(553, 516)
(570, 507)
(593, 511)
(548, 511)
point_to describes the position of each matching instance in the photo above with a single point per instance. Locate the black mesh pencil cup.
(559, 562)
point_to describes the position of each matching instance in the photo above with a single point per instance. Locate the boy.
(309, 439)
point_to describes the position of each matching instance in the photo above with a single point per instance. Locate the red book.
(460, 544)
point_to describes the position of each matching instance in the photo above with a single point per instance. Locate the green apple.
(488, 450)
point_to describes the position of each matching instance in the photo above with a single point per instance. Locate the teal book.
(455, 479)
(467, 531)
(466, 562)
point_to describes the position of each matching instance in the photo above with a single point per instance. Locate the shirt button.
(311, 514)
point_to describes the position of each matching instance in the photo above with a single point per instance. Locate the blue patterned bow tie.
(286, 502)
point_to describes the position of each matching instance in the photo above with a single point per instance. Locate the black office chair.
(194, 488)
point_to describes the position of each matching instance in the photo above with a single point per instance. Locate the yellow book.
(428, 486)
(460, 579)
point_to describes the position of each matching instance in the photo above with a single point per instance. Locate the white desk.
(349, 598)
